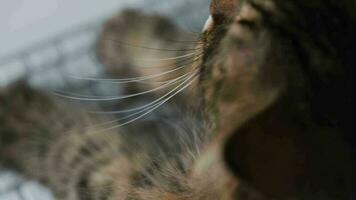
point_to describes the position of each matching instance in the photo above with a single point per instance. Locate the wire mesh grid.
(52, 63)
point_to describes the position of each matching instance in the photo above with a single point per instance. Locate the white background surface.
(24, 22)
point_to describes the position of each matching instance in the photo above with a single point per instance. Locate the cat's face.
(243, 70)
(255, 89)
(244, 67)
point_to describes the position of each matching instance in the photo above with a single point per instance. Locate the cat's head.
(276, 77)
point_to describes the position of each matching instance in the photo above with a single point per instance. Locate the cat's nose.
(209, 24)
(222, 10)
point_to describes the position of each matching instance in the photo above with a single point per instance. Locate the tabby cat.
(275, 85)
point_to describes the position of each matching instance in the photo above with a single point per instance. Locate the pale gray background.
(24, 22)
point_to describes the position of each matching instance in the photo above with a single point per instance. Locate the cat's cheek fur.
(240, 87)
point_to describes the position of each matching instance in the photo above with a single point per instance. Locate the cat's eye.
(252, 25)
(248, 17)
(244, 32)
(246, 25)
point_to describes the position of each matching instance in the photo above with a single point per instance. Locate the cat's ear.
(267, 153)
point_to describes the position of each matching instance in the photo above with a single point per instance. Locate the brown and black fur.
(275, 82)
(68, 150)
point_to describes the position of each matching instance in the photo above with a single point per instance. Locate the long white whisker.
(166, 59)
(152, 104)
(135, 79)
(151, 48)
(87, 98)
(134, 109)
(190, 80)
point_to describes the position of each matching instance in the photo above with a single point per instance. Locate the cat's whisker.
(191, 42)
(168, 59)
(185, 141)
(190, 31)
(187, 83)
(145, 107)
(149, 107)
(153, 104)
(149, 48)
(178, 62)
(73, 96)
(150, 81)
(132, 109)
(137, 79)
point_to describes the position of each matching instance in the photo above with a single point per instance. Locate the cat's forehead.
(222, 5)
(248, 9)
